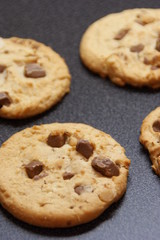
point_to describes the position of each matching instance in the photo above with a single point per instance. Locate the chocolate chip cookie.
(61, 175)
(32, 78)
(150, 138)
(126, 47)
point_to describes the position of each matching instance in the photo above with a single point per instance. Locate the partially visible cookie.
(61, 175)
(150, 137)
(126, 47)
(33, 78)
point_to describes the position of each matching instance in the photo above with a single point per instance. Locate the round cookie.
(150, 137)
(61, 175)
(126, 47)
(32, 78)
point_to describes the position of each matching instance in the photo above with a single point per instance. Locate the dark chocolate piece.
(105, 166)
(34, 70)
(79, 189)
(137, 48)
(158, 45)
(121, 34)
(34, 168)
(57, 140)
(2, 67)
(146, 61)
(156, 126)
(4, 99)
(67, 175)
(85, 148)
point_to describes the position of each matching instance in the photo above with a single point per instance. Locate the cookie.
(126, 47)
(61, 175)
(33, 78)
(150, 138)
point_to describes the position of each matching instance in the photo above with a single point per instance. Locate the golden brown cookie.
(126, 47)
(33, 78)
(150, 137)
(61, 175)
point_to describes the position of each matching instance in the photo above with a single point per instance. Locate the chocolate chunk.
(56, 140)
(34, 168)
(41, 175)
(137, 48)
(154, 62)
(85, 148)
(2, 67)
(156, 126)
(146, 61)
(34, 70)
(67, 175)
(158, 45)
(79, 189)
(4, 99)
(105, 166)
(121, 34)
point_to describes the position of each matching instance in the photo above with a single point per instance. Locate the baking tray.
(94, 101)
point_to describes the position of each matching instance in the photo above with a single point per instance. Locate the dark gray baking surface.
(92, 100)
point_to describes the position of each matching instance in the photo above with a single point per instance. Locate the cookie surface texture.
(61, 175)
(126, 47)
(32, 75)
(150, 138)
